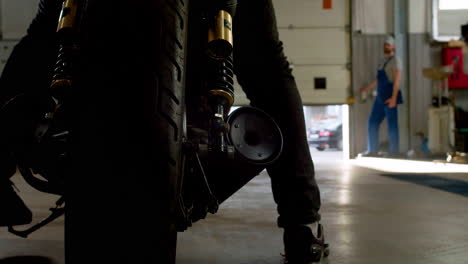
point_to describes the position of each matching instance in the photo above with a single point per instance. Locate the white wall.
(450, 21)
(373, 16)
(419, 16)
(16, 15)
(317, 44)
(1, 27)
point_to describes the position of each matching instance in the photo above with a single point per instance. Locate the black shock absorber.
(220, 76)
(66, 31)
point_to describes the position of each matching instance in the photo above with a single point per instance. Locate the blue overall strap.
(388, 61)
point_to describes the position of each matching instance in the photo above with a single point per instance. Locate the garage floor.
(370, 217)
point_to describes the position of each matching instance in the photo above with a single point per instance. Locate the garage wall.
(450, 22)
(420, 54)
(420, 16)
(6, 47)
(373, 21)
(423, 54)
(316, 41)
(367, 53)
(373, 16)
(15, 17)
(317, 44)
(1, 27)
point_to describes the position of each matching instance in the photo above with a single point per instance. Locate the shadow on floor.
(26, 260)
(436, 182)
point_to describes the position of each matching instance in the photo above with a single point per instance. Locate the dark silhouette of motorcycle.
(158, 112)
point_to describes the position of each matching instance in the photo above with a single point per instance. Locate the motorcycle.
(178, 122)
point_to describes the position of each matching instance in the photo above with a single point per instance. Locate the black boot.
(13, 211)
(302, 246)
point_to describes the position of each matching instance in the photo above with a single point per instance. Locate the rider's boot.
(304, 244)
(13, 211)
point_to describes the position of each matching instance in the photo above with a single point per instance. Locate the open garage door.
(317, 43)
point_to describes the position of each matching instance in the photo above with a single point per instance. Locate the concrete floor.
(368, 218)
(47, 242)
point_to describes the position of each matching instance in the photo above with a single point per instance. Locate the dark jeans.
(261, 69)
(264, 73)
(380, 111)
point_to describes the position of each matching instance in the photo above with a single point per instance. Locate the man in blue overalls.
(385, 105)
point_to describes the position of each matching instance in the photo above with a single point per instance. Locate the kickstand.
(213, 204)
(56, 213)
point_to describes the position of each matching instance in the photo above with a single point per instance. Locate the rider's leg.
(265, 75)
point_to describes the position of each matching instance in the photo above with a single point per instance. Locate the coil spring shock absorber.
(221, 82)
(62, 76)
(66, 30)
(221, 76)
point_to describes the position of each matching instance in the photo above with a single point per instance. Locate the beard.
(388, 50)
